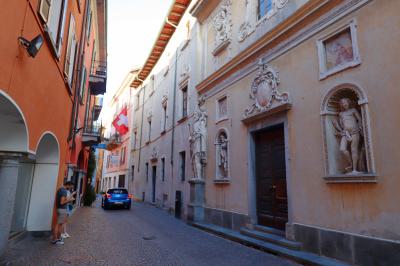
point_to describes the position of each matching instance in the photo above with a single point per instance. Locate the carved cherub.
(349, 128)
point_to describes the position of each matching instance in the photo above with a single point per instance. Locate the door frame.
(260, 125)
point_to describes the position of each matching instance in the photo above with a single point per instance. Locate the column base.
(196, 205)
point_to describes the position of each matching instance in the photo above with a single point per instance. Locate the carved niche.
(347, 136)
(222, 156)
(265, 95)
(222, 23)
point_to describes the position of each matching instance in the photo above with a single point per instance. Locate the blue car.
(118, 197)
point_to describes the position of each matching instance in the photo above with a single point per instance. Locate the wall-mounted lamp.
(32, 47)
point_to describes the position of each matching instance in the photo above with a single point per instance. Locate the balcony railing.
(98, 77)
(98, 105)
(92, 133)
(113, 142)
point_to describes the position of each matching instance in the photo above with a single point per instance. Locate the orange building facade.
(49, 104)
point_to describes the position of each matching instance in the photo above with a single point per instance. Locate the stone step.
(271, 238)
(303, 257)
(266, 229)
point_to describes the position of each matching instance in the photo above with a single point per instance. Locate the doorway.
(154, 178)
(178, 204)
(121, 181)
(270, 163)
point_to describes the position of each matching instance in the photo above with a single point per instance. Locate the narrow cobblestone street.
(142, 236)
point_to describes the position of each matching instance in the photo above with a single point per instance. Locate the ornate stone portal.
(347, 140)
(265, 95)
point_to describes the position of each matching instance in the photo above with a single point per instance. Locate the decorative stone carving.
(265, 93)
(185, 74)
(347, 140)
(198, 141)
(247, 27)
(348, 127)
(223, 26)
(222, 155)
(154, 155)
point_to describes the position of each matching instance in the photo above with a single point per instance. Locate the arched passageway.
(13, 146)
(44, 184)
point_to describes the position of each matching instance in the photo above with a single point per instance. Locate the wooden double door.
(272, 207)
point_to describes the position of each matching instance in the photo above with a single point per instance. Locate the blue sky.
(133, 26)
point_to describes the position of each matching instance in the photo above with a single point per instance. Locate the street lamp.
(32, 47)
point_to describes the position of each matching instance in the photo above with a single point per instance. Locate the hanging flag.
(121, 122)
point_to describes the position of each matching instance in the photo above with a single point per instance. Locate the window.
(71, 52)
(264, 7)
(149, 135)
(133, 172)
(89, 21)
(182, 168)
(184, 100)
(122, 158)
(163, 169)
(82, 87)
(164, 118)
(134, 139)
(108, 161)
(222, 108)
(147, 172)
(53, 14)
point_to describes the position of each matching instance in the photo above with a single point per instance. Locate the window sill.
(222, 180)
(350, 178)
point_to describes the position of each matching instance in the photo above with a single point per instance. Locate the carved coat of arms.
(264, 92)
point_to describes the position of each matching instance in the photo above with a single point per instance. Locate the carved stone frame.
(323, 71)
(326, 114)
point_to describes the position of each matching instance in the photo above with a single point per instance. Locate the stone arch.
(14, 134)
(44, 184)
(222, 154)
(336, 167)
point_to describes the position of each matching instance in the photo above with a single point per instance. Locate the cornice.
(305, 15)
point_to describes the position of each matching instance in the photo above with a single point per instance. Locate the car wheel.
(128, 207)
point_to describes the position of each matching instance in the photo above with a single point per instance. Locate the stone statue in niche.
(198, 141)
(223, 155)
(348, 127)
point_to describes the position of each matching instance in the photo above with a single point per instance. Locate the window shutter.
(71, 33)
(60, 35)
(44, 9)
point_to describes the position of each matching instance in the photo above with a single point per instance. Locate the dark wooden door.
(271, 178)
(154, 177)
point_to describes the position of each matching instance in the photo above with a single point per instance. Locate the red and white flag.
(121, 122)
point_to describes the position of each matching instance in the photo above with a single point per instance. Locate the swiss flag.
(121, 122)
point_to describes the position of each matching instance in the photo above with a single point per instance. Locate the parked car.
(116, 197)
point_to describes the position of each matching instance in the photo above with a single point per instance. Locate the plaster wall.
(366, 209)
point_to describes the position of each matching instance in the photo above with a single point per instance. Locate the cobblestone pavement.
(144, 235)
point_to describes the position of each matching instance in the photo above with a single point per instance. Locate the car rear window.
(117, 191)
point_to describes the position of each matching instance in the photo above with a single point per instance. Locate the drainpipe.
(173, 121)
(141, 126)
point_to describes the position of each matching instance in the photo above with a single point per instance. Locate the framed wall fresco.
(338, 50)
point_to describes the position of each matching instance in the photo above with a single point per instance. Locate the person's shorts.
(61, 215)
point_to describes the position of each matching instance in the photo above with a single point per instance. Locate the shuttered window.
(44, 9)
(53, 13)
(71, 52)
